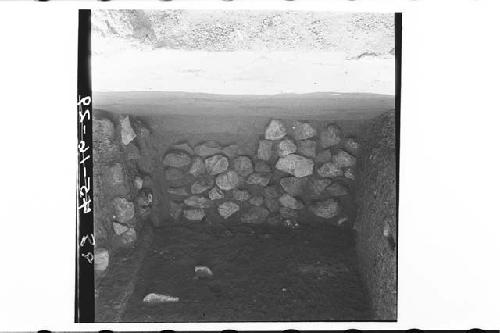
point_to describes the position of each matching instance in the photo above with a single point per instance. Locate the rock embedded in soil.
(184, 146)
(228, 180)
(352, 146)
(119, 228)
(258, 178)
(241, 195)
(207, 148)
(216, 164)
(177, 159)
(202, 272)
(256, 200)
(231, 151)
(293, 185)
(290, 202)
(307, 148)
(104, 129)
(265, 150)
(324, 156)
(261, 166)
(198, 201)
(302, 130)
(337, 190)
(286, 147)
(330, 170)
(198, 167)
(201, 185)
(344, 159)
(228, 208)
(243, 165)
(318, 186)
(326, 209)
(297, 165)
(272, 204)
(101, 259)
(127, 132)
(123, 210)
(215, 194)
(272, 191)
(194, 214)
(115, 179)
(275, 130)
(330, 136)
(129, 237)
(255, 215)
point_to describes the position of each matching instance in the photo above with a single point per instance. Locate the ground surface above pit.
(260, 274)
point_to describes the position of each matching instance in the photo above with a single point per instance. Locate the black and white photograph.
(244, 165)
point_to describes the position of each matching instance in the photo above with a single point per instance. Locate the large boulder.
(228, 208)
(275, 130)
(326, 209)
(227, 180)
(207, 148)
(297, 165)
(216, 164)
(330, 170)
(243, 166)
(290, 202)
(202, 184)
(194, 214)
(306, 148)
(241, 195)
(215, 193)
(177, 159)
(123, 210)
(286, 147)
(198, 167)
(344, 159)
(259, 178)
(198, 201)
(265, 150)
(302, 130)
(330, 136)
(127, 132)
(293, 185)
(255, 215)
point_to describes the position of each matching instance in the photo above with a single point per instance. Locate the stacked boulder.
(298, 172)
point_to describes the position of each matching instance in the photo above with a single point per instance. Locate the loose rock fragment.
(307, 148)
(101, 259)
(179, 191)
(227, 180)
(290, 202)
(261, 179)
(302, 131)
(261, 166)
(215, 194)
(159, 298)
(293, 185)
(201, 185)
(177, 159)
(243, 166)
(343, 159)
(194, 214)
(330, 170)
(286, 147)
(207, 149)
(324, 156)
(228, 208)
(265, 150)
(317, 186)
(216, 164)
(138, 182)
(352, 146)
(198, 167)
(124, 210)
(119, 228)
(275, 130)
(326, 209)
(330, 136)
(297, 165)
(202, 272)
(127, 132)
(272, 204)
(272, 191)
(129, 237)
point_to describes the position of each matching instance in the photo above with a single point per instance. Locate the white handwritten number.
(86, 205)
(85, 238)
(89, 257)
(86, 100)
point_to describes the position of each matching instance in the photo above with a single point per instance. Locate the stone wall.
(125, 195)
(298, 172)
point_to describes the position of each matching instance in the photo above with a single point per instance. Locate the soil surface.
(261, 273)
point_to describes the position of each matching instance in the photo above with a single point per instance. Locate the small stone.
(173, 174)
(352, 146)
(330, 136)
(124, 210)
(180, 191)
(177, 159)
(202, 185)
(302, 130)
(342, 221)
(227, 180)
(272, 204)
(307, 148)
(198, 167)
(256, 200)
(261, 166)
(297, 165)
(228, 208)
(261, 179)
(216, 164)
(215, 194)
(343, 159)
(290, 202)
(207, 149)
(158, 298)
(127, 132)
(241, 195)
(293, 185)
(119, 228)
(243, 166)
(288, 213)
(255, 215)
(231, 151)
(337, 190)
(101, 259)
(265, 150)
(286, 147)
(317, 186)
(194, 214)
(184, 146)
(326, 209)
(202, 272)
(330, 170)
(138, 182)
(197, 201)
(275, 130)
(349, 173)
(324, 156)
(175, 210)
(129, 237)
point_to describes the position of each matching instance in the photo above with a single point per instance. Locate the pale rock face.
(123, 209)
(101, 259)
(179, 191)
(286, 147)
(177, 159)
(302, 131)
(349, 173)
(184, 146)
(201, 185)
(159, 298)
(344, 159)
(228, 208)
(290, 202)
(198, 201)
(119, 228)
(104, 127)
(207, 149)
(127, 132)
(330, 136)
(297, 165)
(261, 179)
(198, 167)
(216, 164)
(275, 130)
(228, 180)
(243, 166)
(265, 150)
(215, 194)
(138, 182)
(307, 148)
(326, 209)
(330, 170)
(255, 215)
(293, 185)
(194, 214)
(241, 195)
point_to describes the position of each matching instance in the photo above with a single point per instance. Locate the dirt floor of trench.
(261, 273)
